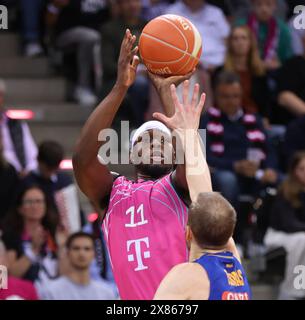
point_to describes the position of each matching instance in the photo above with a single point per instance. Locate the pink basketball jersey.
(144, 228)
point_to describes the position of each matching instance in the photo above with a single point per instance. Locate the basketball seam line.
(183, 36)
(169, 45)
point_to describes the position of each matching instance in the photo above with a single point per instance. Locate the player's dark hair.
(212, 220)
(77, 235)
(50, 153)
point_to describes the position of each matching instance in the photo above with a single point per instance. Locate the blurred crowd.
(253, 71)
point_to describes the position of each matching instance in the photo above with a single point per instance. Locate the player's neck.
(196, 252)
(142, 176)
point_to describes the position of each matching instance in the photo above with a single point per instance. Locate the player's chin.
(154, 170)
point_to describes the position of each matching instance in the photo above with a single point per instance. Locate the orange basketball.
(170, 45)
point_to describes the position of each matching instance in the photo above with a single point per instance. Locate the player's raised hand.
(187, 113)
(128, 61)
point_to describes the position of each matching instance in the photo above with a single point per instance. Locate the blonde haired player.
(214, 272)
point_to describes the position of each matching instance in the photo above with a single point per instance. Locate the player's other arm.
(94, 178)
(186, 281)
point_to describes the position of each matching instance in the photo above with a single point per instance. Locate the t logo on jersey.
(138, 252)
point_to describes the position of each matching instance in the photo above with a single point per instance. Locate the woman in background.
(287, 224)
(35, 247)
(243, 59)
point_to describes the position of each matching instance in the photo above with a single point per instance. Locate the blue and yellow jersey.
(227, 277)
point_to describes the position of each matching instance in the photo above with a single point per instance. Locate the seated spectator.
(53, 182)
(16, 289)
(112, 36)
(272, 33)
(77, 284)
(19, 148)
(287, 225)
(291, 97)
(32, 239)
(8, 184)
(76, 24)
(294, 139)
(238, 151)
(243, 58)
(212, 26)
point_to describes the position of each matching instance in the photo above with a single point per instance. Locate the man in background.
(77, 284)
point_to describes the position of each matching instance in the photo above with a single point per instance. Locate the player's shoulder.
(192, 279)
(190, 270)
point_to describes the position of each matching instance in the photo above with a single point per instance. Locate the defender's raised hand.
(128, 61)
(187, 113)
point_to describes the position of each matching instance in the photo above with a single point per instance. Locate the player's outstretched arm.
(93, 178)
(185, 124)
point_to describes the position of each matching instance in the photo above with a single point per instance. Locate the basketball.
(170, 45)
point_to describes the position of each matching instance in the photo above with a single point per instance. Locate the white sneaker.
(33, 49)
(85, 97)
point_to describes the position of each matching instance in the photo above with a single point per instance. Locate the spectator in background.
(8, 184)
(272, 33)
(49, 178)
(33, 239)
(212, 26)
(19, 148)
(112, 36)
(77, 285)
(17, 289)
(287, 224)
(75, 26)
(237, 147)
(291, 97)
(243, 58)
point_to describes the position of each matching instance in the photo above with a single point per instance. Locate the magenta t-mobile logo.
(140, 252)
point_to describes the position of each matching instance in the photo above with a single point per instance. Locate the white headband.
(149, 125)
